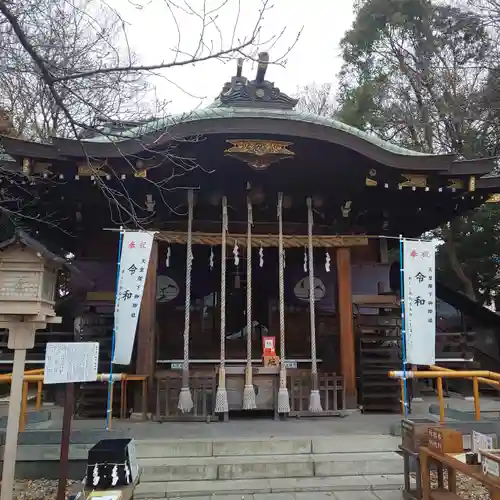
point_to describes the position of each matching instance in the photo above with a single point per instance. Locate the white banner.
(419, 264)
(136, 250)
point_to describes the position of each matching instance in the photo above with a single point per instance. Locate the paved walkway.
(341, 495)
(355, 423)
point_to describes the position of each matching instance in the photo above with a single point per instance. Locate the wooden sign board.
(414, 434)
(268, 347)
(481, 442)
(70, 362)
(443, 440)
(490, 461)
(271, 361)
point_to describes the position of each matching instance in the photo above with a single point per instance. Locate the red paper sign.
(268, 346)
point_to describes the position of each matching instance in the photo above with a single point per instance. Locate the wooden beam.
(347, 343)
(146, 348)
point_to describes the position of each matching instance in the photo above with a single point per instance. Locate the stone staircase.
(216, 468)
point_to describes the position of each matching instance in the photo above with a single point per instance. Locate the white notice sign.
(481, 442)
(420, 301)
(68, 362)
(134, 261)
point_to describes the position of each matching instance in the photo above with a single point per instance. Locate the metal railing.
(439, 373)
(36, 377)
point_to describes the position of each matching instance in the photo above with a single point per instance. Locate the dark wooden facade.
(249, 143)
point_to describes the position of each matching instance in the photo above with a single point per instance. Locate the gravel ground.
(41, 489)
(467, 488)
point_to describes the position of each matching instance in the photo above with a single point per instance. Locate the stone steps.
(269, 466)
(241, 487)
(200, 469)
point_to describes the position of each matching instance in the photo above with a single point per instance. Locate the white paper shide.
(419, 258)
(136, 250)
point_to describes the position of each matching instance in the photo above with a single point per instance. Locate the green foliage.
(425, 75)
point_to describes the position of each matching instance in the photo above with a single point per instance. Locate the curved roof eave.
(251, 120)
(234, 120)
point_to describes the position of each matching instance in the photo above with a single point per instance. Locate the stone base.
(138, 416)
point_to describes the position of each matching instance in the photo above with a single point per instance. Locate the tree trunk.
(451, 251)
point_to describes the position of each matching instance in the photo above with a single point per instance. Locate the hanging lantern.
(327, 262)
(261, 256)
(305, 260)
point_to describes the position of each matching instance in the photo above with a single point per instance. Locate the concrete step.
(241, 487)
(222, 448)
(269, 466)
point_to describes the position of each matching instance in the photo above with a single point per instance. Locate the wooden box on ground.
(79, 492)
(415, 434)
(443, 440)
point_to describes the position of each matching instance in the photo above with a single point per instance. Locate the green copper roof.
(215, 111)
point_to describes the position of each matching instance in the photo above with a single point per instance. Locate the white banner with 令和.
(134, 261)
(419, 265)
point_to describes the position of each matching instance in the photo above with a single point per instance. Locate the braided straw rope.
(249, 390)
(314, 401)
(221, 405)
(266, 240)
(185, 398)
(283, 397)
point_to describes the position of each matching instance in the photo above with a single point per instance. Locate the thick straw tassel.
(221, 405)
(314, 400)
(283, 396)
(249, 402)
(185, 398)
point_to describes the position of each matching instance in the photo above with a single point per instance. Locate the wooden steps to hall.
(379, 351)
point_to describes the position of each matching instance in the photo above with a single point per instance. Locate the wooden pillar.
(347, 341)
(146, 345)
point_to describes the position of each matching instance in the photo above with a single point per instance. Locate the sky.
(153, 34)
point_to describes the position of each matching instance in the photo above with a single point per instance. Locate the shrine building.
(270, 224)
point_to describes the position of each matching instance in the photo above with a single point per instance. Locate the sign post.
(134, 251)
(420, 302)
(418, 305)
(67, 363)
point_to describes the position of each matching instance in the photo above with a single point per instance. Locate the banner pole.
(403, 324)
(110, 383)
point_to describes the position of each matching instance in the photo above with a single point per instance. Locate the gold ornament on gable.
(257, 153)
(413, 181)
(494, 198)
(455, 184)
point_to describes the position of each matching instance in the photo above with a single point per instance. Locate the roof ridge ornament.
(259, 93)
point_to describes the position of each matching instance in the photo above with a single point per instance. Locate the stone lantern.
(28, 280)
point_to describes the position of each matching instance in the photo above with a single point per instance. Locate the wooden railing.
(439, 373)
(331, 390)
(455, 345)
(203, 386)
(37, 376)
(168, 386)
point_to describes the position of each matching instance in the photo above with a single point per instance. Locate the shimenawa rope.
(221, 405)
(315, 400)
(249, 390)
(185, 398)
(283, 397)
